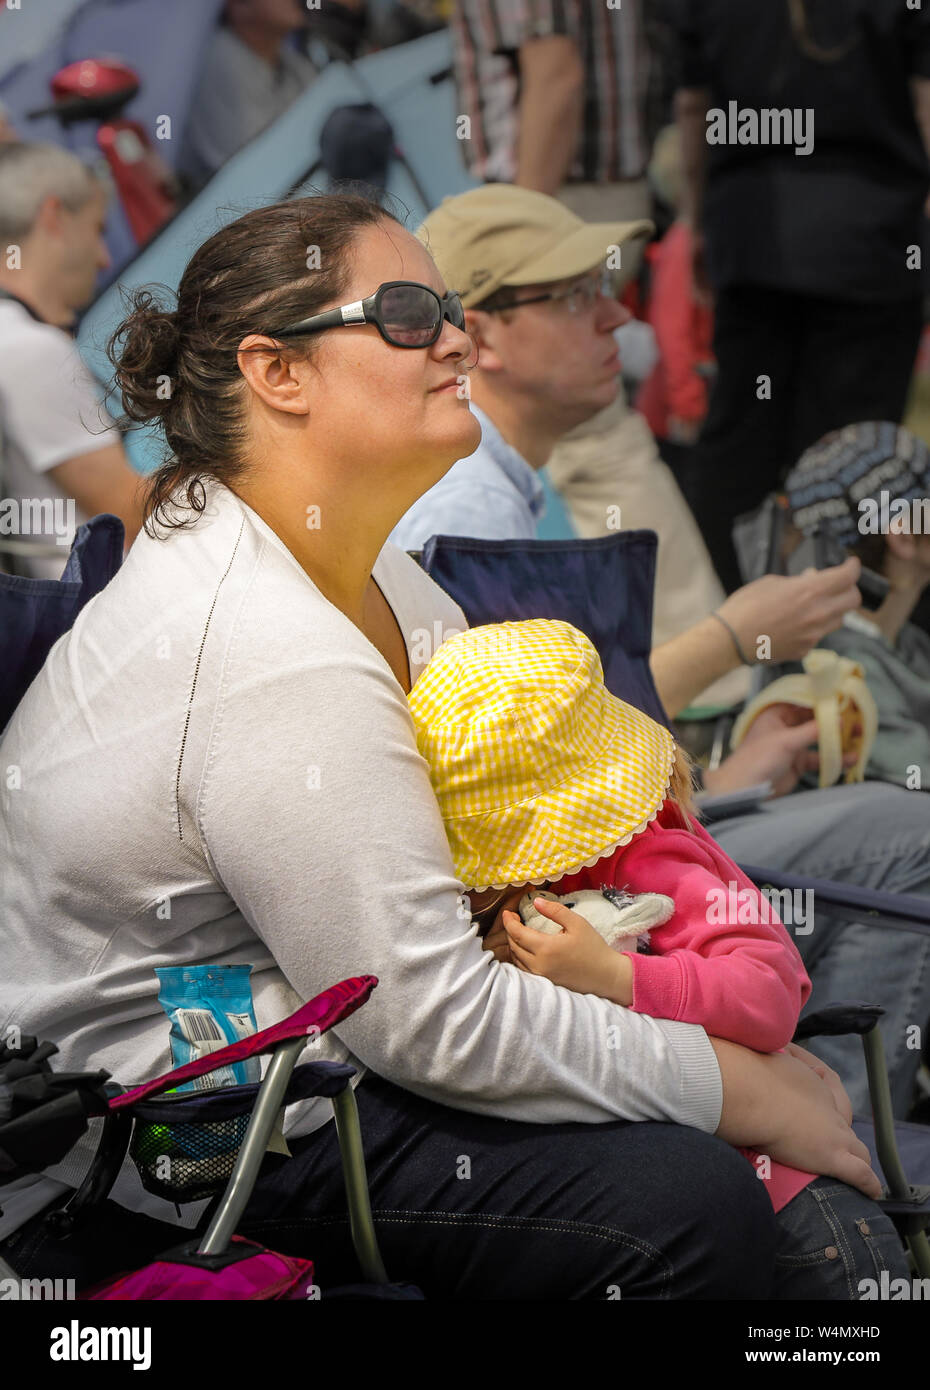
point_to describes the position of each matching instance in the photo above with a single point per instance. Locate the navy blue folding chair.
(34, 613)
(604, 587)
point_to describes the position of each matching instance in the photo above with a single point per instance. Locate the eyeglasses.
(578, 297)
(406, 314)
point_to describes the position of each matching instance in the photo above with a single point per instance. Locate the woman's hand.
(793, 612)
(577, 957)
(781, 1105)
(838, 1090)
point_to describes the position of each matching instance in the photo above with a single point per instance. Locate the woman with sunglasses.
(217, 765)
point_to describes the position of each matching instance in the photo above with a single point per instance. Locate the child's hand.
(577, 957)
(498, 944)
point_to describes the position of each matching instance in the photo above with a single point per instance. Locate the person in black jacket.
(805, 126)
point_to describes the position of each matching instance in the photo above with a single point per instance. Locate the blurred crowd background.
(782, 295)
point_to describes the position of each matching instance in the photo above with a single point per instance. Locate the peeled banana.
(835, 689)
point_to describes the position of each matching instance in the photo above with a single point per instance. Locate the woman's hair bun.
(144, 351)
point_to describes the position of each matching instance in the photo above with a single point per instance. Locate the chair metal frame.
(252, 1150)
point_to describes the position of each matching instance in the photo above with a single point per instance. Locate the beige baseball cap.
(500, 234)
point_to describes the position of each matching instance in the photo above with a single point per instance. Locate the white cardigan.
(216, 765)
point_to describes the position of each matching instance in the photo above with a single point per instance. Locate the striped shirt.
(487, 36)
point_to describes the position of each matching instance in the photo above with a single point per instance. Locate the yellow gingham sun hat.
(538, 770)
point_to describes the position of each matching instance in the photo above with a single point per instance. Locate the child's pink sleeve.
(745, 983)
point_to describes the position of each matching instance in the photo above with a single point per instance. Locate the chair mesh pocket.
(185, 1162)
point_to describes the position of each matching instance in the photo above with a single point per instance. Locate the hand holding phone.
(820, 551)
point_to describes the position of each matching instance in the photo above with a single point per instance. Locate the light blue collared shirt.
(493, 494)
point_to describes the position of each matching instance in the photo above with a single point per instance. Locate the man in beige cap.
(546, 367)
(501, 244)
(530, 274)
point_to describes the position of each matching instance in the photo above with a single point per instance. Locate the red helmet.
(91, 87)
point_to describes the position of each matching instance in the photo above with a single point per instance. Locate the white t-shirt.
(50, 411)
(216, 765)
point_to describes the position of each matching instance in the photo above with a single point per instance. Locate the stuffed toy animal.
(613, 912)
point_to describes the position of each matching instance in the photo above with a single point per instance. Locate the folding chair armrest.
(834, 1020)
(313, 1018)
(903, 911)
(904, 1200)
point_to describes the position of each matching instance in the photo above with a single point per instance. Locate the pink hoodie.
(742, 982)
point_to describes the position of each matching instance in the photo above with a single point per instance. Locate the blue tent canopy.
(402, 82)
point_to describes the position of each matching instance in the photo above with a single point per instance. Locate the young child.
(545, 779)
(841, 486)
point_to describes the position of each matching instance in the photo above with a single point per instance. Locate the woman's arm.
(549, 115)
(779, 1106)
(746, 984)
(791, 613)
(317, 815)
(788, 1105)
(687, 664)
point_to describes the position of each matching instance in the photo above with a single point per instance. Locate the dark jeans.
(472, 1207)
(469, 1207)
(831, 363)
(831, 1239)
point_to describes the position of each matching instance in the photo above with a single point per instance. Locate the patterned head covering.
(538, 770)
(853, 465)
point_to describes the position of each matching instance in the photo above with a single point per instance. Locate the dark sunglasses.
(406, 314)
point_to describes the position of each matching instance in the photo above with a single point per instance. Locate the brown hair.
(681, 785)
(871, 550)
(271, 267)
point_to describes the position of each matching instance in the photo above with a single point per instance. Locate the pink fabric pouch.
(255, 1274)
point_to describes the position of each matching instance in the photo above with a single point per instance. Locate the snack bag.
(209, 1006)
